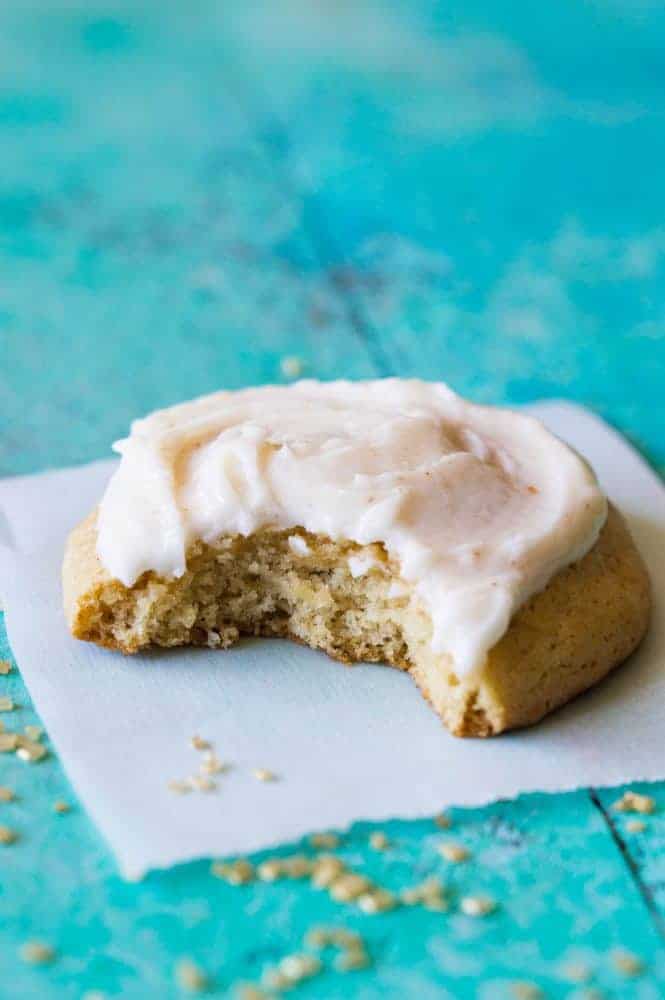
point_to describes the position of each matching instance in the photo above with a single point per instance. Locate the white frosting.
(479, 506)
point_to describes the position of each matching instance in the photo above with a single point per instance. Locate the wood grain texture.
(190, 193)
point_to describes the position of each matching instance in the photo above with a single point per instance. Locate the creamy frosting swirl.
(479, 506)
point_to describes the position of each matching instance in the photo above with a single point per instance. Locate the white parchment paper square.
(347, 743)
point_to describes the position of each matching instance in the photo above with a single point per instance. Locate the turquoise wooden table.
(191, 193)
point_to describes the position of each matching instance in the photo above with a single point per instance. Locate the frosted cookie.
(380, 521)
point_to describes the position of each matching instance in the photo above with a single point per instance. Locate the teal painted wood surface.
(190, 193)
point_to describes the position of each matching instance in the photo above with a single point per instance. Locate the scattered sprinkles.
(190, 977)
(453, 852)
(36, 953)
(299, 966)
(477, 906)
(635, 802)
(626, 963)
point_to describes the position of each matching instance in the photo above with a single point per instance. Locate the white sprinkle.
(477, 906)
(361, 565)
(298, 545)
(190, 977)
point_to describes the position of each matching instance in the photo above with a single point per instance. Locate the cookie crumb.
(453, 852)
(190, 977)
(298, 967)
(5, 667)
(526, 991)
(351, 959)
(198, 743)
(238, 872)
(377, 901)
(635, 802)
(328, 841)
(379, 841)
(349, 886)
(6, 794)
(576, 972)
(36, 953)
(635, 825)
(30, 751)
(61, 807)
(443, 821)
(179, 787)
(626, 963)
(6, 703)
(264, 774)
(7, 835)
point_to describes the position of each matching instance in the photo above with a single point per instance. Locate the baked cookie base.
(588, 619)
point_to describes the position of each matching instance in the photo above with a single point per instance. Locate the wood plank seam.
(645, 892)
(276, 142)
